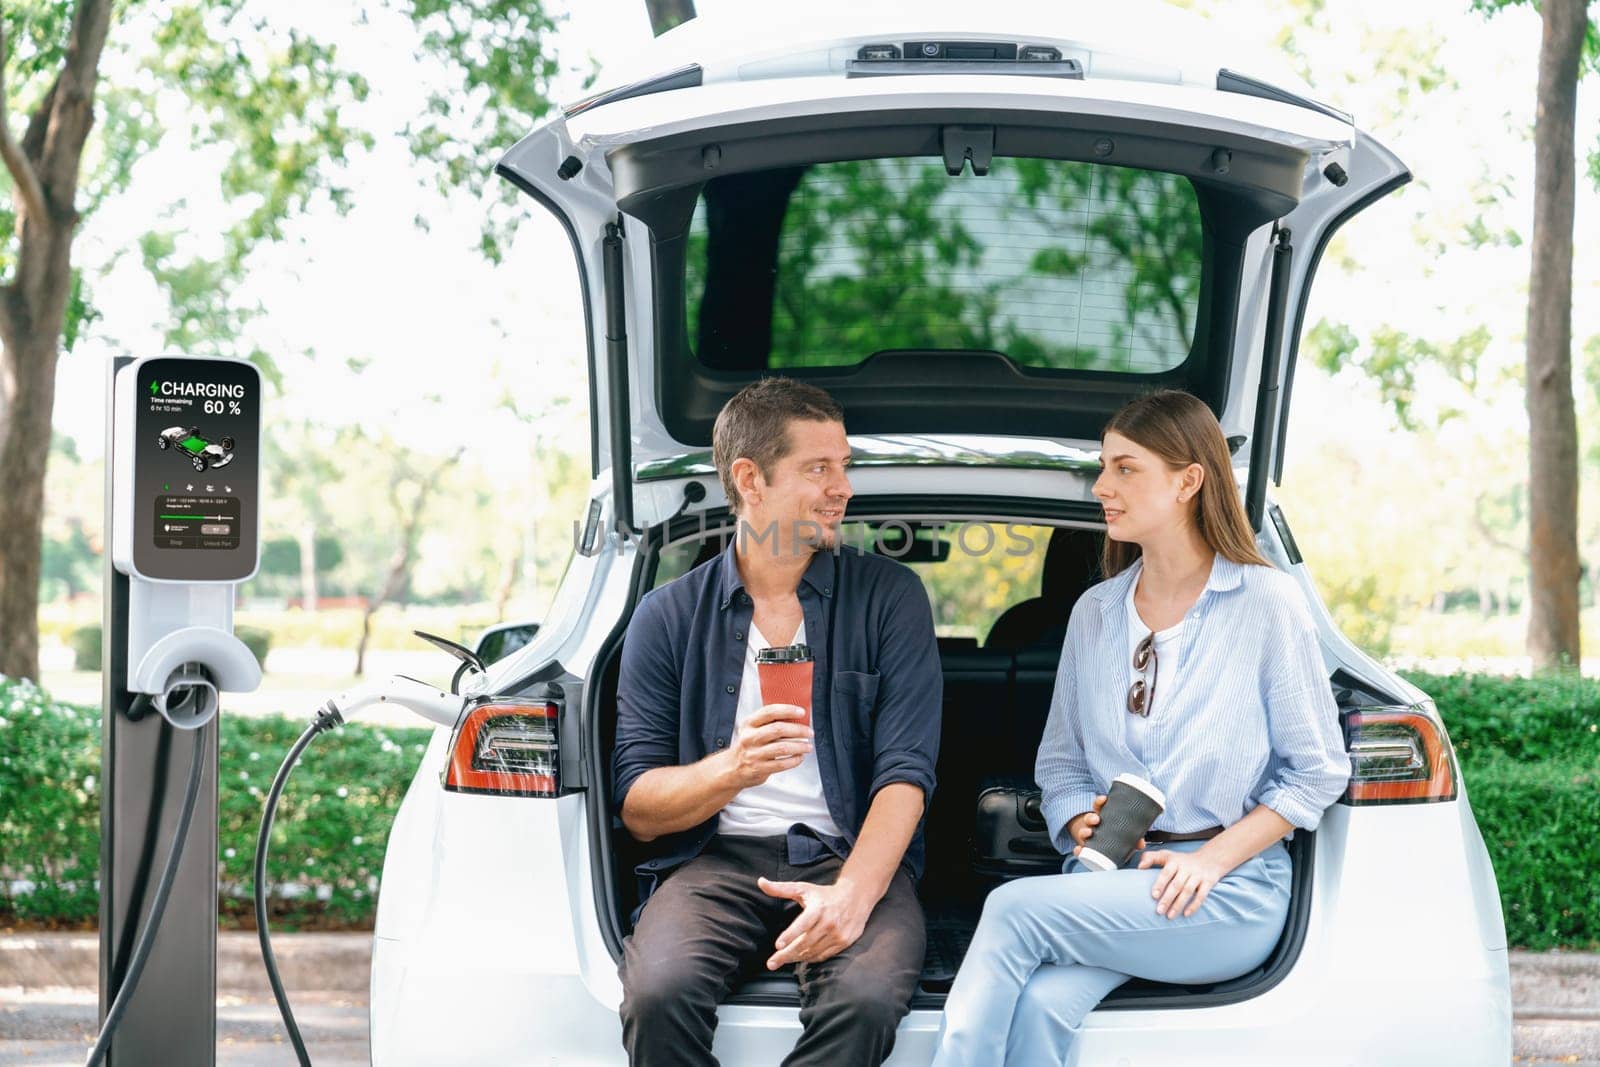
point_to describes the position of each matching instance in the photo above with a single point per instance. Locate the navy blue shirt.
(875, 696)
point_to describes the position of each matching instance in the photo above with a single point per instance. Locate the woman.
(1194, 665)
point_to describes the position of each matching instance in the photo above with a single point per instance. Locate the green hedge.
(86, 651)
(49, 808)
(1546, 878)
(1529, 750)
(1519, 719)
(1530, 753)
(328, 839)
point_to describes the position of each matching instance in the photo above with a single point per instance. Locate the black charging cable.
(326, 718)
(169, 874)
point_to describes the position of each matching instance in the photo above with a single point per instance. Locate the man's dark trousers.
(709, 926)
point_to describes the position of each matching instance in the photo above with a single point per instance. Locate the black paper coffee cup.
(1132, 806)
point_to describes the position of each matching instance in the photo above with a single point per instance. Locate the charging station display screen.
(197, 449)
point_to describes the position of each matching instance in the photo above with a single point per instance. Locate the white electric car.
(982, 230)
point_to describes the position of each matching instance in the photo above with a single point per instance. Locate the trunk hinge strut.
(617, 379)
(1255, 492)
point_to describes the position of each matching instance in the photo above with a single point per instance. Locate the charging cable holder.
(182, 651)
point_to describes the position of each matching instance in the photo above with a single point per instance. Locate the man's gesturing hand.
(832, 918)
(772, 740)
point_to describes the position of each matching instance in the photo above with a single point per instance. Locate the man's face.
(809, 488)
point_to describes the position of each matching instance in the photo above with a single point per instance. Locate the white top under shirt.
(1163, 674)
(788, 797)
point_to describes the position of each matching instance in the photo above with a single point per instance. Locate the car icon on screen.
(203, 454)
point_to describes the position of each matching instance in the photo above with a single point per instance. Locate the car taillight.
(507, 748)
(1397, 756)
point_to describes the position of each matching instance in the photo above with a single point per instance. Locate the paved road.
(54, 1028)
(48, 1001)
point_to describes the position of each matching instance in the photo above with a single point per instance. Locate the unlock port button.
(214, 528)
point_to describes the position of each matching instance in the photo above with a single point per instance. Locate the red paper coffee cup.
(785, 674)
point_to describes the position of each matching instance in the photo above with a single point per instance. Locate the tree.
(43, 169)
(410, 487)
(1554, 573)
(273, 98)
(1398, 361)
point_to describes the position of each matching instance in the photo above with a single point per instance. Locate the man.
(777, 844)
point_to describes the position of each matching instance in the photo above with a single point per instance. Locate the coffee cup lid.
(1144, 787)
(784, 654)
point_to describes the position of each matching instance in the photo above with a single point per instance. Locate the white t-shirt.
(788, 797)
(1163, 673)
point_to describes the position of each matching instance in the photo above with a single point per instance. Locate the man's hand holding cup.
(774, 739)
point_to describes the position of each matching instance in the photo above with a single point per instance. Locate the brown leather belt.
(1162, 837)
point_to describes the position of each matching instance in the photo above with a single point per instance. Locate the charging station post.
(182, 483)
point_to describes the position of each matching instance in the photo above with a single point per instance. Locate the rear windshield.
(1056, 264)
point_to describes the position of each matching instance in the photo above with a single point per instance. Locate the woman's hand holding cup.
(1081, 827)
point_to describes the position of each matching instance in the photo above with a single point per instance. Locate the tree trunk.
(28, 365)
(398, 578)
(43, 168)
(665, 14)
(1552, 418)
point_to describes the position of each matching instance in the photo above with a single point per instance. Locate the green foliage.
(1529, 750)
(500, 55)
(49, 807)
(1393, 358)
(1589, 62)
(991, 567)
(69, 565)
(1530, 753)
(257, 639)
(332, 823)
(1591, 33)
(35, 32)
(328, 838)
(275, 99)
(280, 556)
(1527, 720)
(1545, 875)
(896, 253)
(87, 643)
(272, 105)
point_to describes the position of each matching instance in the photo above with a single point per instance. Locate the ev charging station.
(183, 507)
(182, 511)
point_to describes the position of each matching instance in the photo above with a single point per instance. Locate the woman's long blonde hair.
(1180, 430)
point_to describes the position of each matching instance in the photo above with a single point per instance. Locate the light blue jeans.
(1049, 948)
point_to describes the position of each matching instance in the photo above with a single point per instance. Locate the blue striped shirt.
(1252, 720)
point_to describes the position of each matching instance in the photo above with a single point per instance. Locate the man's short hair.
(754, 425)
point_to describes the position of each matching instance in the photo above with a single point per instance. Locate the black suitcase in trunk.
(1011, 839)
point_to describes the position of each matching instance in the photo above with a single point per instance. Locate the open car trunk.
(997, 690)
(1010, 254)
